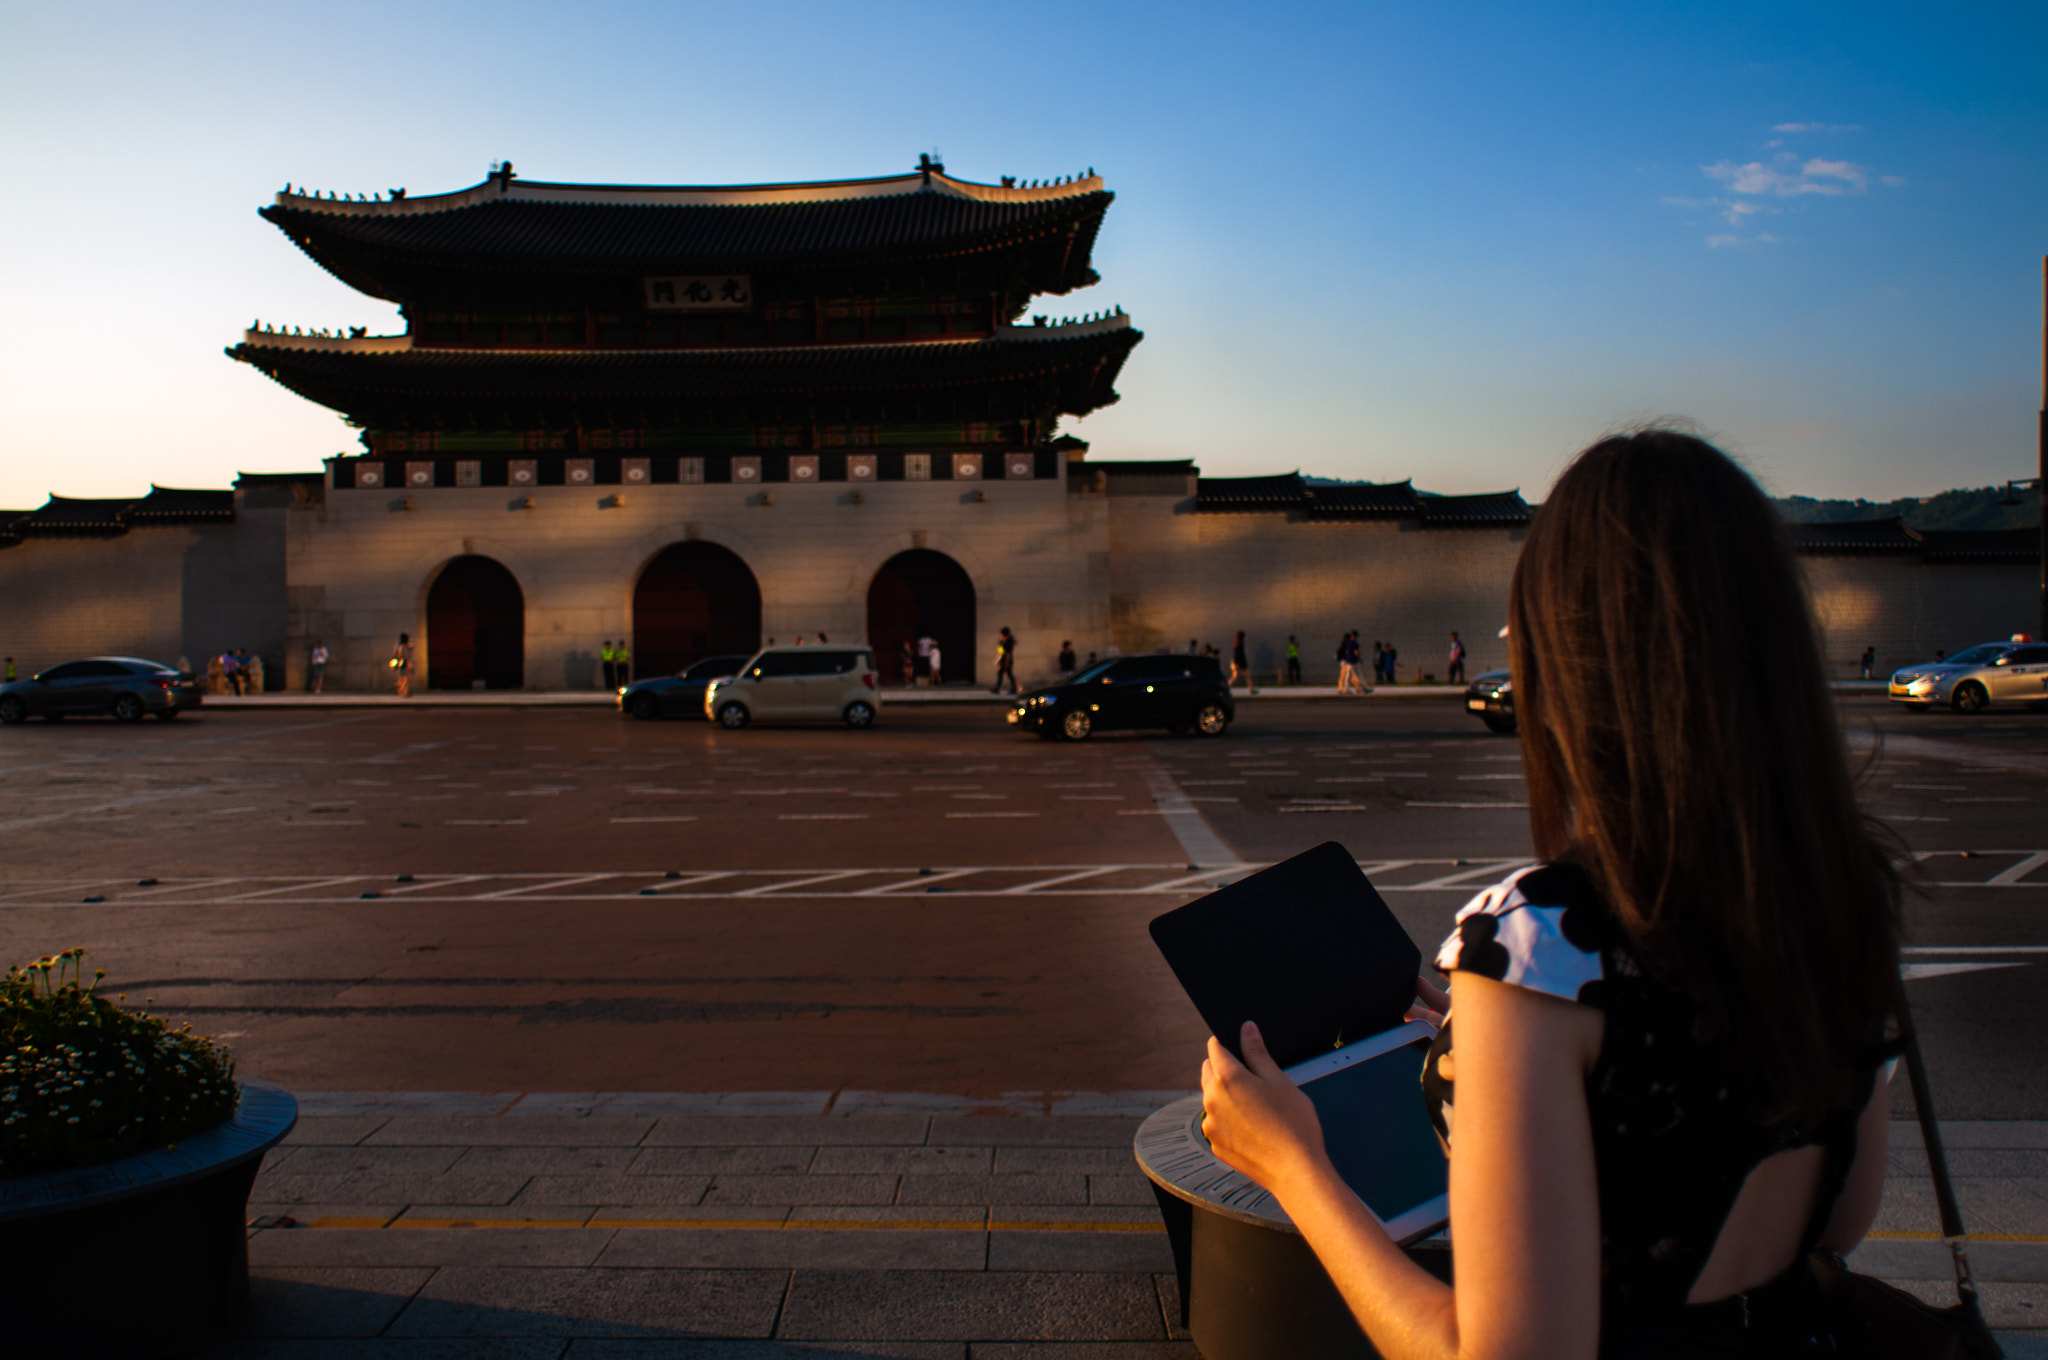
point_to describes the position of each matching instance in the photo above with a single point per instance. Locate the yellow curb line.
(801, 1224)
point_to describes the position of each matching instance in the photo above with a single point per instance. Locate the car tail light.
(164, 681)
(868, 678)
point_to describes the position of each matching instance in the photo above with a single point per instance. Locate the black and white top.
(1671, 1148)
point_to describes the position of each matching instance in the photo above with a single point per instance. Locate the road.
(548, 900)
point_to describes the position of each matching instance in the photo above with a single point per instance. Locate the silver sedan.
(2005, 673)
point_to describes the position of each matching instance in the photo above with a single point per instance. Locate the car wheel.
(128, 708)
(1969, 698)
(1210, 720)
(13, 710)
(645, 707)
(860, 713)
(1504, 726)
(1076, 725)
(732, 717)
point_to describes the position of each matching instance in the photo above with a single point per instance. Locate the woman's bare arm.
(1524, 1202)
(1856, 1207)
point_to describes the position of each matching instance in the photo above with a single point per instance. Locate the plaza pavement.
(780, 1225)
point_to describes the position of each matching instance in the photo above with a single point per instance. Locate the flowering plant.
(84, 1081)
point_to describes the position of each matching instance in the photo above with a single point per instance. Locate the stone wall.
(1908, 608)
(1176, 575)
(163, 593)
(361, 565)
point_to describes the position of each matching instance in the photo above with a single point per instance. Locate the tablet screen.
(1378, 1133)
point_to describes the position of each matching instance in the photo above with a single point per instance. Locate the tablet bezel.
(1429, 1215)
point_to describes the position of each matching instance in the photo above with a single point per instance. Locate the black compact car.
(678, 696)
(1178, 693)
(1492, 697)
(124, 687)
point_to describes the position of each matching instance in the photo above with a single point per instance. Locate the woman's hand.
(1254, 1116)
(1432, 1003)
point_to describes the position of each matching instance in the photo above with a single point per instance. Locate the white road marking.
(2018, 871)
(617, 821)
(1913, 972)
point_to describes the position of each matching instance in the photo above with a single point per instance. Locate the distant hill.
(1963, 508)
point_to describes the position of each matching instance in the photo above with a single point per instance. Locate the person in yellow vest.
(611, 665)
(622, 662)
(401, 666)
(11, 676)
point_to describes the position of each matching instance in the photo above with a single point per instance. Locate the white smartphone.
(1369, 1098)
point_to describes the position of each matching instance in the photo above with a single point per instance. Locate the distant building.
(695, 417)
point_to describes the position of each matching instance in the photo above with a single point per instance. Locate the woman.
(1663, 1087)
(1240, 666)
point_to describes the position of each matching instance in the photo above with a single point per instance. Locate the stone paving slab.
(651, 1224)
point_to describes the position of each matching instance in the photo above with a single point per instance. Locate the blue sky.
(1363, 240)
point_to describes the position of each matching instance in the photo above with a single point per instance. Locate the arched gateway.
(922, 593)
(476, 627)
(694, 600)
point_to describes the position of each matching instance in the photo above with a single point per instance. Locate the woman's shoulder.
(1544, 928)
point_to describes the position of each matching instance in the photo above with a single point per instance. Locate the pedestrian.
(932, 659)
(1674, 1105)
(1194, 647)
(1455, 675)
(1091, 662)
(610, 661)
(10, 671)
(1006, 661)
(821, 639)
(1066, 660)
(317, 676)
(1345, 677)
(231, 671)
(622, 657)
(1869, 661)
(1293, 660)
(1379, 662)
(925, 646)
(1393, 659)
(401, 666)
(1240, 667)
(906, 663)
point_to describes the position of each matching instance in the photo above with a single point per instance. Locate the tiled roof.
(71, 515)
(1981, 545)
(1224, 495)
(395, 249)
(1468, 512)
(170, 505)
(1369, 500)
(1072, 375)
(1140, 467)
(1863, 536)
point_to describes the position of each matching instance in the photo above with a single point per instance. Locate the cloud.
(1818, 127)
(1830, 178)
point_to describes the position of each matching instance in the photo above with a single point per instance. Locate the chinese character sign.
(700, 293)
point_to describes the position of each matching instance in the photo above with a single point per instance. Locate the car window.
(1976, 656)
(1156, 667)
(713, 667)
(1207, 667)
(1093, 673)
(101, 670)
(776, 664)
(2028, 656)
(832, 663)
(70, 670)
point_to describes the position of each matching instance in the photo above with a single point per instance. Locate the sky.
(1369, 241)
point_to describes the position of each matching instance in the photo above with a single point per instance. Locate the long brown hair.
(1681, 743)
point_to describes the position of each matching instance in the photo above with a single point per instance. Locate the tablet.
(1306, 948)
(1369, 1098)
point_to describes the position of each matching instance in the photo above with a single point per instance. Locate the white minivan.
(798, 684)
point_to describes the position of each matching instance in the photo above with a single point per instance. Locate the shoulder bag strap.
(1952, 1231)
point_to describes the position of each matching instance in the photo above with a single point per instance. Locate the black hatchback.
(125, 686)
(1178, 693)
(678, 696)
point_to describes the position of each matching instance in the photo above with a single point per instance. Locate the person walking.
(1455, 675)
(1379, 662)
(401, 666)
(1240, 666)
(1066, 660)
(1869, 661)
(231, 671)
(610, 663)
(1293, 660)
(1006, 661)
(1393, 659)
(1666, 1087)
(316, 676)
(925, 647)
(1347, 665)
(622, 661)
(932, 660)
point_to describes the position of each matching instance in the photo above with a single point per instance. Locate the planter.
(145, 1258)
(1250, 1288)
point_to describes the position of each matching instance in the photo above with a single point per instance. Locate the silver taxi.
(2004, 673)
(798, 684)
